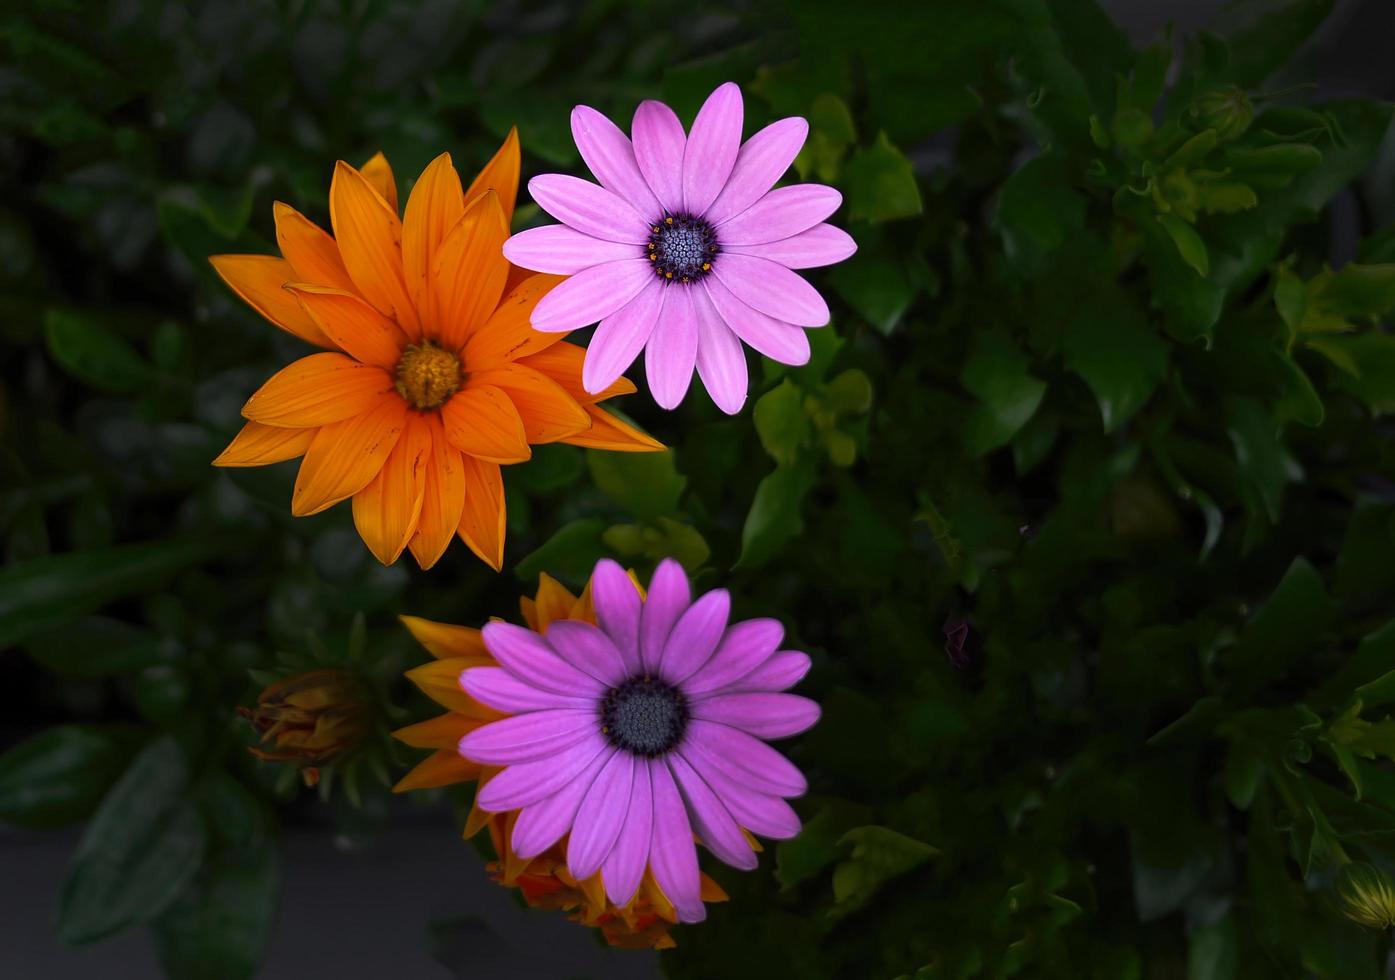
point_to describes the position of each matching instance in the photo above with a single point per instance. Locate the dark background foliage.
(1085, 507)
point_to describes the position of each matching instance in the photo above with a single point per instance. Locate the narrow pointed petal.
(547, 411)
(497, 688)
(258, 280)
(820, 245)
(544, 823)
(386, 511)
(672, 855)
(526, 737)
(621, 336)
(528, 782)
(776, 673)
(668, 598)
(671, 354)
(760, 813)
(712, 146)
(482, 516)
(617, 603)
(258, 445)
(623, 867)
(764, 715)
(762, 161)
(592, 295)
(776, 339)
(317, 390)
(500, 175)
(710, 818)
(346, 455)
(469, 273)
(589, 649)
(744, 757)
(564, 363)
(721, 360)
(310, 249)
(610, 433)
(784, 212)
(442, 768)
(378, 172)
(601, 816)
(611, 158)
(659, 144)
(528, 657)
(744, 647)
(442, 732)
(589, 208)
(435, 205)
(439, 680)
(508, 334)
(369, 234)
(445, 641)
(481, 421)
(771, 289)
(695, 636)
(565, 251)
(442, 500)
(361, 331)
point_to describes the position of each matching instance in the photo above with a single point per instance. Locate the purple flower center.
(644, 716)
(682, 248)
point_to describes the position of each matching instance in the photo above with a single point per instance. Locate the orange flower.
(311, 719)
(646, 920)
(432, 377)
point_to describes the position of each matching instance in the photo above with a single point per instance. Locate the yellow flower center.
(428, 375)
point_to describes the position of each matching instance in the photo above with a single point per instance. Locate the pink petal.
(542, 824)
(624, 866)
(528, 782)
(820, 245)
(617, 603)
(744, 647)
(496, 688)
(710, 818)
(743, 757)
(587, 647)
(784, 669)
(659, 143)
(671, 352)
(769, 816)
(695, 636)
(772, 289)
(668, 599)
(590, 209)
(601, 816)
(620, 337)
(783, 212)
(776, 339)
(761, 714)
(761, 162)
(672, 854)
(591, 295)
(526, 655)
(721, 360)
(561, 251)
(713, 144)
(526, 737)
(607, 151)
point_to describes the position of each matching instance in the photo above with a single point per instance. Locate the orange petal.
(500, 175)
(442, 732)
(444, 498)
(479, 819)
(258, 445)
(441, 768)
(378, 173)
(386, 511)
(258, 280)
(468, 274)
(369, 235)
(508, 335)
(609, 432)
(548, 412)
(562, 363)
(482, 520)
(482, 421)
(553, 602)
(363, 332)
(310, 250)
(439, 680)
(317, 390)
(435, 205)
(346, 455)
(443, 641)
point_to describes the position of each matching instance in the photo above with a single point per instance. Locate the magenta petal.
(744, 757)
(611, 157)
(589, 208)
(617, 602)
(624, 866)
(528, 782)
(762, 714)
(601, 816)
(542, 824)
(526, 655)
(771, 289)
(744, 647)
(784, 669)
(525, 737)
(710, 818)
(672, 854)
(671, 353)
(695, 636)
(659, 143)
(776, 339)
(496, 688)
(760, 813)
(721, 360)
(713, 144)
(592, 294)
(820, 245)
(620, 338)
(668, 599)
(783, 212)
(588, 648)
(562, 251)
(766, 156)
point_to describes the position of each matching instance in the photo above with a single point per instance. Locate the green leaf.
(1299, 400)
(775, 514)
(831, 132)
(93, 354)
(96, 646)
(1213, 952)
(665, 538)
(817, 847)
(1263, 36)
(1188, 242)
(875, 283)
(781, 422)
(140, 852)
(1286, 629)
(1038, 212)
(1265, 464)
(879, 854)
(646, 485)
(58, 775)
(221, 926)
(880, 183)
(1360, 290)
(1110, 344)
(1373, 356)
(996, 372)
(571, 553)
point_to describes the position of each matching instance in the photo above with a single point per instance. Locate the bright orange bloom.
(432, 377)
(646, 920)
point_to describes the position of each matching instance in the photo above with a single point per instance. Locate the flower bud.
(1367, 895)
(310, 719)
(1224, 108)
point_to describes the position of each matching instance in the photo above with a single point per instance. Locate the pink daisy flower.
(634, 735)
(683, 251)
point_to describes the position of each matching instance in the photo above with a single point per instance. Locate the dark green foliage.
(1093, 387)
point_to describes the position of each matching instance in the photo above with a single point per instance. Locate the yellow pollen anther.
(668, 275)
(668, 221)
(653, 257)
(428, 375)
(707, 267)
(655, 230)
